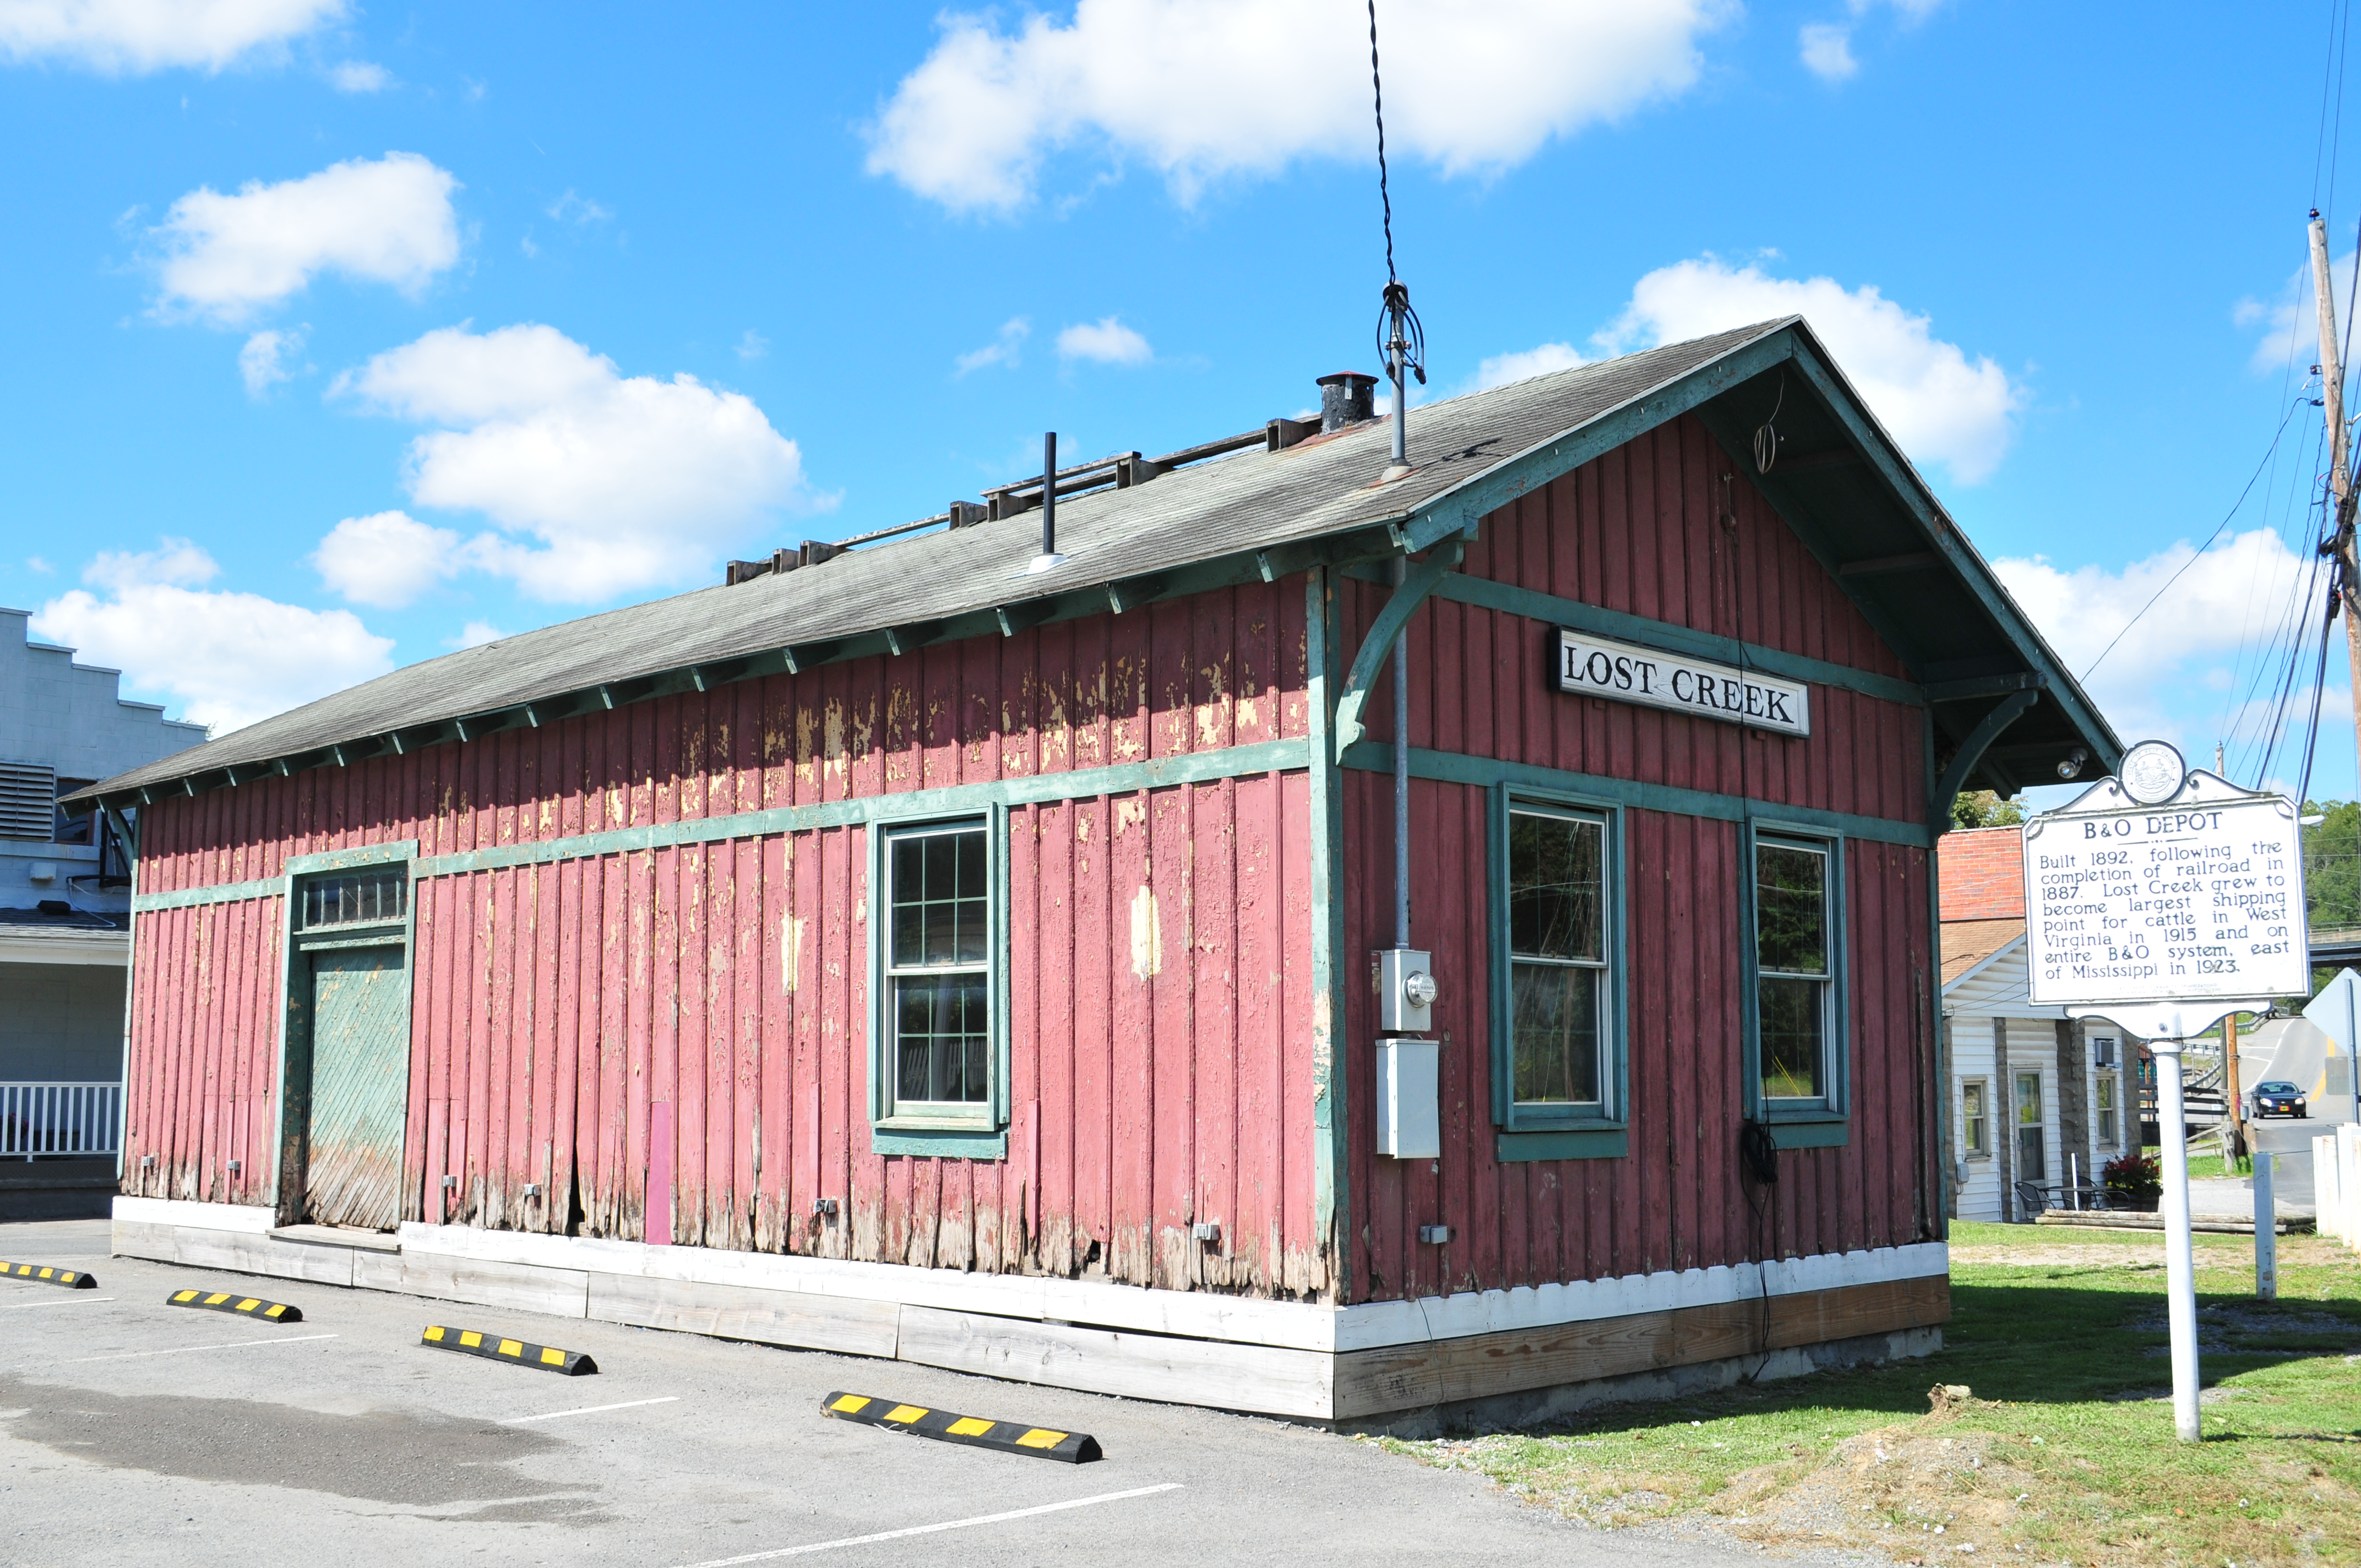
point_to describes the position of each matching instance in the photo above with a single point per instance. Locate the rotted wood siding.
(572, 1019)
(1640, 530)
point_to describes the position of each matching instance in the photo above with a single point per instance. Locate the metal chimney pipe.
(1050, 494)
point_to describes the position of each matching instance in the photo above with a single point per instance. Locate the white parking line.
(591, 1410)
(931, 1529)
(69, 1302)
(185, 1349)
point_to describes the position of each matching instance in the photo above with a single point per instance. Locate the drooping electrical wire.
(2201, 549)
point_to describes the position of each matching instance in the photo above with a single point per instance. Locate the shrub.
(2133, 1181)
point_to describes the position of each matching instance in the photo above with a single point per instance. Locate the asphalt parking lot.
(134, 1433)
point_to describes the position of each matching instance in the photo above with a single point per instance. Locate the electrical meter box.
(1408, 1124)
(1406, 990)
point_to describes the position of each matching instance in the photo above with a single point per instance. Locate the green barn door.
(361, 1086)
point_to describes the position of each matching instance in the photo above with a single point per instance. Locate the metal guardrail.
(70, 1120)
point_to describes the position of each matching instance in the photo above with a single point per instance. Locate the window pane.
(1554, 1033)
(1793, 1024)
(1791, 913)
(939, 898)
(1556, 871)
(374, 896)
(940, 1047)
(2028, 1098)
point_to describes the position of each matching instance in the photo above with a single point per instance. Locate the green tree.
(1984, 808)
(2332, 872)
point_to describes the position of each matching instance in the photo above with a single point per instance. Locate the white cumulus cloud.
(2289, 323)
(360, 76)
(387, 558)
(1204, 89)
(1524, 365)
(225, 257)
(228, 658)
(1105, 341)
(1826, 49)
(1940, 405)
(138, 35)
(2182, 670)
(613, 482)
(1005, 348)
(262, 363)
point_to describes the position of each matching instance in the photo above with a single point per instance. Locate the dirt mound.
(1910, 1495)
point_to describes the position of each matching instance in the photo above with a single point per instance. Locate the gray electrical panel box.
(1409, 1126)
(1406, 992)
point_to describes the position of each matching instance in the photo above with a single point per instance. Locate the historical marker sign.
(1624, 672)
(2196, 897)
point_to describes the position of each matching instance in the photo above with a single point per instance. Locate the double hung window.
(2103, 1092)
(1558, 1056)
(1975, 1115)
(1557, 958)
(936, 975)
(1794, 973)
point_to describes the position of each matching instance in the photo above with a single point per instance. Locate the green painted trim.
(345, 859)
(2004, 712)
(1593, 1143)
(1456, 767)
(1602, 623)
(221, 892)
(291, 1110)
(1835, 1103)
(1902, 479)
(990, 1118)
(1192, 767)
(1384, 633)
(1330, 1142)
(390, 935)
(978, 1144)
(1507, 1115)
(1459, 510)
(1821, 1135)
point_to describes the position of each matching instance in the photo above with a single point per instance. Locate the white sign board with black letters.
(2197, 897)
(1624, 672)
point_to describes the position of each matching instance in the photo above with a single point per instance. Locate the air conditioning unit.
(2103, 1050)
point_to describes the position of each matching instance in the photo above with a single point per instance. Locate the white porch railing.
(70, 1119)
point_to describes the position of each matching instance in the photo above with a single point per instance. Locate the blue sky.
(345, 336)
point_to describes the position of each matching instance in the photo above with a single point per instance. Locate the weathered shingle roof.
(1227, 509)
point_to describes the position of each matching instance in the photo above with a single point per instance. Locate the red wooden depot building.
(916, 955)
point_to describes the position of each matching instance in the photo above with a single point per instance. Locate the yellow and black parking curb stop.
(48, 1274)
(1006, 1437)
(492, 1347)
(233, 1302)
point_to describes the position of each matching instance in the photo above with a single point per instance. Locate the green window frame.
(939, 986)
(1558, 990)
(1795, 943)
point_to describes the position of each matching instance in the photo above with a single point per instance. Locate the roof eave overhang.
(1455, 512)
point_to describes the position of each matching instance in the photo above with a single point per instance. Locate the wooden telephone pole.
(2340, 468)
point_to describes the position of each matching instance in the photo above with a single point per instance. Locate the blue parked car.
(2277, 1097)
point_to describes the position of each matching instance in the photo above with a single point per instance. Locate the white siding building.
(2034, 1098)
(65, 893)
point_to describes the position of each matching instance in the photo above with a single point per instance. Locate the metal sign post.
(2164, 900)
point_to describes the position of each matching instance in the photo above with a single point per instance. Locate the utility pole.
(2340, 471)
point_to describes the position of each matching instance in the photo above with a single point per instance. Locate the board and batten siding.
(1638, 531)
(1160, 983)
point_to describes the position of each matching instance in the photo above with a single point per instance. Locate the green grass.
(2065, 1452)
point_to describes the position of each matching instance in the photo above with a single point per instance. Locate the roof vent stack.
(1346, 398)
(1049, 560)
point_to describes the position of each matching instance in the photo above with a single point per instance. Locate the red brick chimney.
(1982, 872)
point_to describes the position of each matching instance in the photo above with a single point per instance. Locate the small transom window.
(355, 899)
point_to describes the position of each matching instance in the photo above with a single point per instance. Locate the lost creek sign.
(2198, 897)
(1593, 666)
